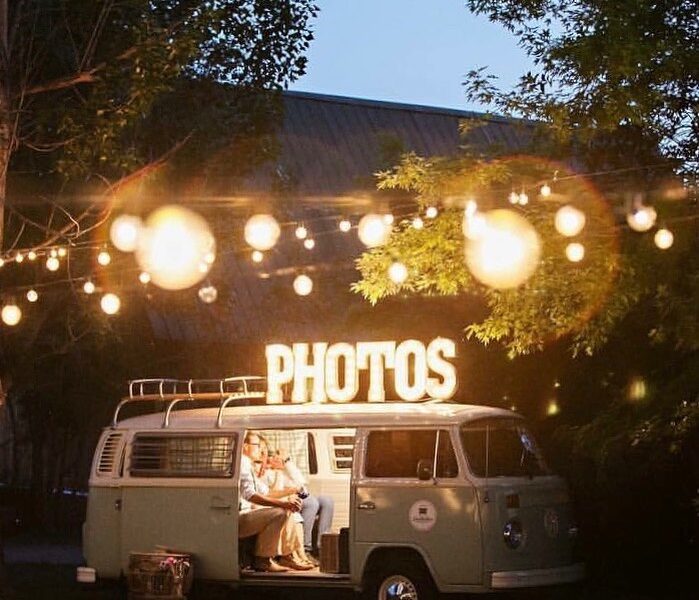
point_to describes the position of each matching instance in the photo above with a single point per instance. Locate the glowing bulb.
(32, 296)
(345, 225)
(144, 277)
(208, 294)
(19, 257)
(507, 251)
(398, 273)
(471, 208)
(309, 244)
(31, 255)
(89, 287)
(301, 232)
(257, 256)
(575, 252)
(124, 232)
(523, 199)
(545, 190)
(388, 219)
(104, 258)
(2, 262)
(173, 247)
(209, 258)
(11, 314)
(663, 238)
(303, 285)
(62, 252)
(110, 304)
(552, 409)
(569, 221)
(637, 389)
(373, 230)
(52, 263)
(474, 225)
(53, 253)
(418, 223)
(431, 212)
(513, 198)
(262, 232)
(642, 219)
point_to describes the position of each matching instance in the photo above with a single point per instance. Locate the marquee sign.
(325, 372)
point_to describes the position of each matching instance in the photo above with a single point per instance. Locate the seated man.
(268, 518)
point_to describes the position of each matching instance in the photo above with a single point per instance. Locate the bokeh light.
(569, 221)
(11, 314)
(373, 230)
(642, 219)
(262, 231)
(663, 238)
(124, 232)
(303, 285)
(575, 252)
(110, 303)
(398, 273)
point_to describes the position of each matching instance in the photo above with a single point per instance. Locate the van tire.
(406, 573)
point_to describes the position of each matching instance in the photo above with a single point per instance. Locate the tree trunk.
(5, 115)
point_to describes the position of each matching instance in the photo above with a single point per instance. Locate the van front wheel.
(403, 582)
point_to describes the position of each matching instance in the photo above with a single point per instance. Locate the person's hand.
(293, 504)
(275, 462)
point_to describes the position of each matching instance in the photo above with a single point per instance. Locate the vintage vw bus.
(429, 496)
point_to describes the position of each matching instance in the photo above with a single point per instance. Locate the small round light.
(418, 223)
(257, 256)
(31, 255)
(523, 199)
(89, 287)
(209, 258)
(2, 262)
(104, 258)
(19, 257)
(552, 408)
(569, 221)
(11, 314)
(62, 252)
(52, 263)
(262, 231)
(513, 534)
(303, 285)
(388, 218)
(309, 244)
(474, 225)
(575, 252)
(124, 232)
(110, 303)
(431, 212)
(32, 296)
(398, 273)
(301, 232)
(144, 277)
(345, 225)
(373, 230)
(208, 294)
(513, 198)
(545, 190)
(53, 253)
(663, 238)
(642, 219)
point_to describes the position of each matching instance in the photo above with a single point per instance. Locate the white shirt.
(250, 485)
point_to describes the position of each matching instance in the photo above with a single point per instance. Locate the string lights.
(110, 303)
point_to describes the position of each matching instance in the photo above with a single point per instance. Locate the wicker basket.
(159, 575)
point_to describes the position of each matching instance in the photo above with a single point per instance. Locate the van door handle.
(369, 505)
(117, 504)
(219, 504)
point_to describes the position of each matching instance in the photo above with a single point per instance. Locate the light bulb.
(575, 252)
(31, 255)
(642, 219)
(309, 244)
(53, 253)
(52, 263)
(19, 257)
(398, 273)
(301, 232)
(124, 232)
(513, 198)
(89, 287)
(208, 294)
(545, 190)
(257, 256)
(11, 314)
(62, 252)
(262, 231)
(104, 258)
(569, 221)
(303, 285)
(523, 199)
(663, 238)
(110, 303)
(431, 212)
(32, 296)
(418, 223)
(345, 225)
(388, 219)
(373, 230)
(2, 262)
(144, 277)
(209, 258)
(552, 409)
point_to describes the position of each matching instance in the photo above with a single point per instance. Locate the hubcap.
(397, 587)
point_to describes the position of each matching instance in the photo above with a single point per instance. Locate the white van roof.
(312, 416)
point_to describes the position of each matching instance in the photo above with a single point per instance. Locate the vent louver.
(109, 454)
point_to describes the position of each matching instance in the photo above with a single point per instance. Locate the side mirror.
(424, 469)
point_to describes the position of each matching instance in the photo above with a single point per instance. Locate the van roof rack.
(173, 391)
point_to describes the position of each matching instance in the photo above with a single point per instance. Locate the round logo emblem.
(551, 522)
(422, 515)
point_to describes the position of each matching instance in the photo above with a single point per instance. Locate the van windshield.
(501, 447)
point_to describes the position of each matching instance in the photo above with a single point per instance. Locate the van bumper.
(537, 577)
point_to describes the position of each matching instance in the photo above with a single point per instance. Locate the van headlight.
(513, 534)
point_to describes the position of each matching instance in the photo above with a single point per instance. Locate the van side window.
(396, 453)
(162, 455)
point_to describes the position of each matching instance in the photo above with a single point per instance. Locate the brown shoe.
(290, 562)
(267, 565)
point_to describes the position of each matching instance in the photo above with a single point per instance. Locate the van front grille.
(109, 453)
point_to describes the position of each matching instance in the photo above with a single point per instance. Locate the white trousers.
(276, 531)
